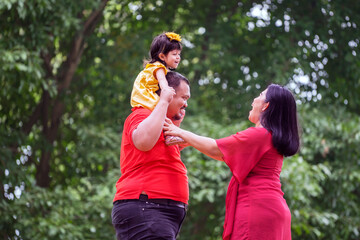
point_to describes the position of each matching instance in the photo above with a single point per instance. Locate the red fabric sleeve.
(135, 120)
(243, 150)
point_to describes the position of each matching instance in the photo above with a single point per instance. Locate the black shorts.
(145, 218)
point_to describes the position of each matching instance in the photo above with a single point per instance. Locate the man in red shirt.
(152, 193)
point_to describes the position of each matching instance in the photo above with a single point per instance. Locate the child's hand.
(167, 94)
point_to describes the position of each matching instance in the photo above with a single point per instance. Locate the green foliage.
(331, 137)
(79, 211)
(301, 183)
(229, 56)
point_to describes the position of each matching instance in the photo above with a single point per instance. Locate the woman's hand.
(205, 145)
(171, 129)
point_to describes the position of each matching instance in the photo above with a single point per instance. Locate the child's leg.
(173, 140)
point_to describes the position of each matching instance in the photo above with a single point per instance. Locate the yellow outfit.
(145, 86)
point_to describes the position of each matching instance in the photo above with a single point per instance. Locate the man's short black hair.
(174, 79)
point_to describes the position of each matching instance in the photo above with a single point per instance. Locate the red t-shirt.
(159, 172)
(255, 207)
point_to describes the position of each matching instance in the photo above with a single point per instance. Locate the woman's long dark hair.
(280, 118)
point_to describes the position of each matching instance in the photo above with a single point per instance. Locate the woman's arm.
(148, 131)
(205, 145)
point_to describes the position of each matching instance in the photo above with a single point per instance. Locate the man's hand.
(167, 94)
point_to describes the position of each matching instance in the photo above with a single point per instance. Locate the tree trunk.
(53, 109)
(43, 169)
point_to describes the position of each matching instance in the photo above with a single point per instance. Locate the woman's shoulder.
(255, 130)
(255, 133)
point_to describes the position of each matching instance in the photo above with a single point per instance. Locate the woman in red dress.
(255, 207)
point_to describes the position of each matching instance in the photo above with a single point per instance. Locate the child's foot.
(173, 140)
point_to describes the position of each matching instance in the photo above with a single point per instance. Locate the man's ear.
(162, 56)
(265, 106)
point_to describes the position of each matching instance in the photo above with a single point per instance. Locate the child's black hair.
(162, 44)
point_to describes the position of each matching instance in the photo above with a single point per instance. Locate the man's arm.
(148, 131)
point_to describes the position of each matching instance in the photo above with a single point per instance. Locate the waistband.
(161, 201)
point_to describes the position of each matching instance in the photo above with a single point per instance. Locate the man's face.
(176, 109)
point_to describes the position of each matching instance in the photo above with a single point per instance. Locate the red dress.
(255, 207)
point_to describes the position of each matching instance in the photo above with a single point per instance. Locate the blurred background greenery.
(66, 72)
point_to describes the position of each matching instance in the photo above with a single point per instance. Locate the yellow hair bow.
(173, 36)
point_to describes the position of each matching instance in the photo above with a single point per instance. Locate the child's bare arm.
(148, 131)
(160, 76)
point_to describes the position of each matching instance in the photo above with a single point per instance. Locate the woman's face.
(258, 106)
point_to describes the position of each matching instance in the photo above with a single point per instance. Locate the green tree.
(67, 69)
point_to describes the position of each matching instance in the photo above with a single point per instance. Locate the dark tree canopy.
(66, 74)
